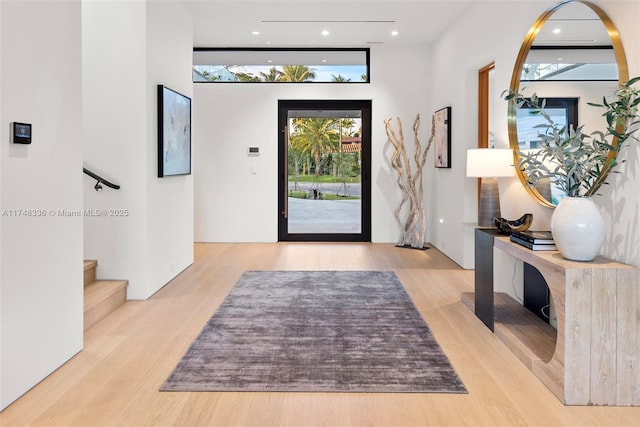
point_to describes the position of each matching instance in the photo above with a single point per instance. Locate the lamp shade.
(490, 163)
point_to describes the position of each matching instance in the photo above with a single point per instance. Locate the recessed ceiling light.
(557, 31)
(325, 32)
(394, 33)
(255, 33)
(324, 60)
(270, 61)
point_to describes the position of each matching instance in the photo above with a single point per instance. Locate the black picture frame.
(174, 133)
(442, 138)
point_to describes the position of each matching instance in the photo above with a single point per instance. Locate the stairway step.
(90, 271)
(101, 298)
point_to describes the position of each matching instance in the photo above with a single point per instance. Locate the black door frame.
(365, 221)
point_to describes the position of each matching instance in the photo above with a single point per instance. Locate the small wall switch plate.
(21, 133)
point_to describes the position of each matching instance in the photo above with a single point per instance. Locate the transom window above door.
(294, 65)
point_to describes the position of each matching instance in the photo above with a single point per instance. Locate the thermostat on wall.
(21, 133)
(253, 151)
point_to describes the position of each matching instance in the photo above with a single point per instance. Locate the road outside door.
(324, 170)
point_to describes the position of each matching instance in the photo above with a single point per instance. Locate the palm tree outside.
(339, 78)
(274, 75)
(246, 77)
(316, 136)
(297, 73)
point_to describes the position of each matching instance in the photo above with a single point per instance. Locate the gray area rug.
(316, 331)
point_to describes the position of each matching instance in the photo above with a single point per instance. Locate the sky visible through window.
(263, 73)
(286, 65)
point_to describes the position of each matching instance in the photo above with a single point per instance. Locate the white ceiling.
(351, 23)
(577, 25)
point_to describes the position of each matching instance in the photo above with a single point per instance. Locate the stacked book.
(534, 240)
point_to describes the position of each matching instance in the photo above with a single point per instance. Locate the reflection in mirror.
(570, 64)
(564, 112)
(573, 45)
(572, 52)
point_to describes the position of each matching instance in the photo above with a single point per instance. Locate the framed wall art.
(174, 133)
(442, 138)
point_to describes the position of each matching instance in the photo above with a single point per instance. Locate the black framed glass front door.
(324, 170)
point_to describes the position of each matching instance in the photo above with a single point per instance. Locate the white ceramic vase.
(578, 228)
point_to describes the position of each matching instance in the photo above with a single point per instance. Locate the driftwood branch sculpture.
(412, 219)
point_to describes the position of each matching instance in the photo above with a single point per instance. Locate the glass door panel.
(324, 171)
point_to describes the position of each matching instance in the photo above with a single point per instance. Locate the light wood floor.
(115, 379)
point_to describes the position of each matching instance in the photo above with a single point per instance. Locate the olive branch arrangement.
(576, 162)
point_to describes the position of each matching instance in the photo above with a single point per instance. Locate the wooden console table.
(596, 355)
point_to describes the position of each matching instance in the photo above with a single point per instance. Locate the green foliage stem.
(576, 162)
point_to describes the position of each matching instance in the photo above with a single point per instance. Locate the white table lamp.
(488, 164)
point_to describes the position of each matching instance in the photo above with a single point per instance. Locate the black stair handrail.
(100, 180)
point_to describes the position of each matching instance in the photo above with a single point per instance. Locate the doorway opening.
(324, 170)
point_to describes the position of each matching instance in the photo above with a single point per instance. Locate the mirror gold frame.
(623, 76)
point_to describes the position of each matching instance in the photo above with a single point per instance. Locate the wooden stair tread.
(100, 290)
(101, 297)
(89, 264)
(90, 267)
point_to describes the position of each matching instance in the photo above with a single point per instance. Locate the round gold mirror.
(571, 55)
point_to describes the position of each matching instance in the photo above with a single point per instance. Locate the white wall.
(2, 400)
(40, 256)
(115, 136)
(3, 404)
(233, 205)
(169, 200)
(129, 48)
(620, 201)
(498, 30)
